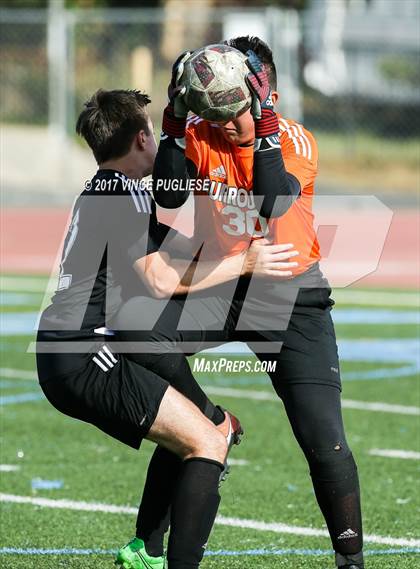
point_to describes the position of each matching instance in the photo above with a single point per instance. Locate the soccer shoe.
(134, 556)
(231, 428)
(350, 561)
(233, 431)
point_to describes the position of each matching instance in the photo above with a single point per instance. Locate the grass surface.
(273, 486)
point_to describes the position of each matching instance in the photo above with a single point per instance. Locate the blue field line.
(12, 383)
(20, 298)
(18, 323)
(378, 351)
(15, 323)
(374, 316)
(21, 398)
(218, 553)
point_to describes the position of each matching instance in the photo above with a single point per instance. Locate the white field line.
(6, 372)
(238, 462)
(258, 395)
(220, 520)
(394, 453)
(240, 393)
(382, 407)
(346, 403)
(9, 467)
(373, 298)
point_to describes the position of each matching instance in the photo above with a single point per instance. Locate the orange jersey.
(225, 215)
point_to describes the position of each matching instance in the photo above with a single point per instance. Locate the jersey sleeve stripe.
(291, 136)
(303, 135)
(143, 201)
(148, 202)
(301, 140)
(298, 136)
(136, 201)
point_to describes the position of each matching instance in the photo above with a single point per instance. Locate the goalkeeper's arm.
(170, 161)
(277, 188)
(171, 164)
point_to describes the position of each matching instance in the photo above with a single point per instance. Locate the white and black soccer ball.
(214, 77)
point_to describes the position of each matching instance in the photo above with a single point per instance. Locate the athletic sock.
(218, 416)
(194, 509)
(154, 511)
(336, 486)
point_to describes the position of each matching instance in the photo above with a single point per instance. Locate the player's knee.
(332, 464)
(213, 446)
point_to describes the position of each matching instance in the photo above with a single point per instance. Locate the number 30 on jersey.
(240, 222)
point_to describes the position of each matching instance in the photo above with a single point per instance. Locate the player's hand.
(262, 109)
(264, 259)
(259, 85)
(176, 91)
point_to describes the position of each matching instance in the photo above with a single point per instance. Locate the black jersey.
(113, 224)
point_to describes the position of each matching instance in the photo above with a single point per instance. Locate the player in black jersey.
(113, 238)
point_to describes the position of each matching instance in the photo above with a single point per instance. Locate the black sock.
(218, 415)
(162, 477)
(154, 510)
(193, 512)
(336, 486)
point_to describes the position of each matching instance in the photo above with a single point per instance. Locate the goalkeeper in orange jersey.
(262, 168)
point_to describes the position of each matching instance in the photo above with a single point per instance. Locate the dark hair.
(244, 43)
(110, 121)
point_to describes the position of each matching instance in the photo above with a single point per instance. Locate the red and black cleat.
(231, 428)
(233, 431)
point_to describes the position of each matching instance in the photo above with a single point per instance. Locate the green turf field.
(268, 484)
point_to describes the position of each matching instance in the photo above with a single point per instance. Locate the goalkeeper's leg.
(314, 411)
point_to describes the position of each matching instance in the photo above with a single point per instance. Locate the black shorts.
(119, 397)
(300, 321)
(305, 330)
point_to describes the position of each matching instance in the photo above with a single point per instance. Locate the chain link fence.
(355, 82)
(24, 69)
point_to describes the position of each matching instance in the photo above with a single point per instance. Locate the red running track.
(31, 240)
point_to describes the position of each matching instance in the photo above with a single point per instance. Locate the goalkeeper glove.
(176, 111)
(262, 109)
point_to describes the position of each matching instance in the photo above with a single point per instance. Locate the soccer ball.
(214, 77)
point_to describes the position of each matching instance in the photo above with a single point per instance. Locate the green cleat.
(134, 556)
